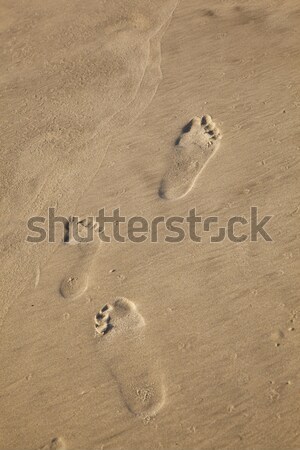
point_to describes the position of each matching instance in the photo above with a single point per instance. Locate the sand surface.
(154, 107)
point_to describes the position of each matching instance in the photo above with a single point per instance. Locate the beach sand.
(155, 108)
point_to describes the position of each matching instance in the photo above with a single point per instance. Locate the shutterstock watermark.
(116, 227)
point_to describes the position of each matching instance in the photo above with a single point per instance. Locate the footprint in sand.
(55, 444)
(121, 327)
(75, 282)
(199, 140)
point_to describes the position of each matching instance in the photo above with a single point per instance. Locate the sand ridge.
(76, 126)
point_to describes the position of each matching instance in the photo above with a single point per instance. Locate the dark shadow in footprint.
(56, 443)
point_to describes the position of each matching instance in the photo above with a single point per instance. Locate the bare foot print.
(120, 328)
(56, 443)
(199, 140)
(75, 282)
